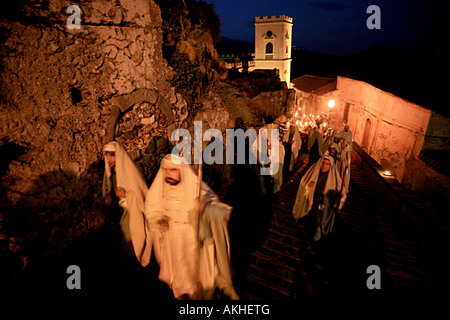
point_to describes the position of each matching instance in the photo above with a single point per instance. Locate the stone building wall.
(56, 84)
(391, 129)
(54, 105)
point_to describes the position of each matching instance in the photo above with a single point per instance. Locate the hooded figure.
(347, 135)
(293, 142)
(315, 145)
(319, 192)
(343, 167)
(327, 139)
(275, 158)
(190, 237)
(334, 153)
(123, 179)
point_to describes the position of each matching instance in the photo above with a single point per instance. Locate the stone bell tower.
(273, 44)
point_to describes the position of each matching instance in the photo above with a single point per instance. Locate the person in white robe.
(327, 139)
(292, 138)
(347, 135)
(334, 151)
(277, 170)
(190, 236)
(320, 193)
(315, 145)
(342, 165)
(123, 181)
(276, 158)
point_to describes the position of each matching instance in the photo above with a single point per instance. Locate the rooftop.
(313, 84)
(273, 18)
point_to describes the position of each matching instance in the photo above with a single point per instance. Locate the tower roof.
(280, 18)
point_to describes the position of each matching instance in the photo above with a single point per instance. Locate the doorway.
(365, 140)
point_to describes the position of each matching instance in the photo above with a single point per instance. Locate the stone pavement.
(291, 265)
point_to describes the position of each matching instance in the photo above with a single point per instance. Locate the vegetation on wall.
(190, 29)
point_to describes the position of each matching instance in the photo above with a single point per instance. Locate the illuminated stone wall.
(397, 127)
(55, 95)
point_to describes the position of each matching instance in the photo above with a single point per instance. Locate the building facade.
(273, 44)
(390, 129)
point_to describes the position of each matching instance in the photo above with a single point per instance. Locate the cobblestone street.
(291, 265)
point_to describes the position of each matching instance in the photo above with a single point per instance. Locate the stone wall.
(389, 128)
(55, 92)
(56, 96)
(438, 133)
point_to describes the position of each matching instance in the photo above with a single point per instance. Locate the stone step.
(290, 264)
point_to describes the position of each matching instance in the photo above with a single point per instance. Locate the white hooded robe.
(189, 269)
(132, 222)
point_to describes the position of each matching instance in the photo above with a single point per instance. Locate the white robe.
(305, 194)
(187, 267)
(348, 137)
(295, 147)
(315, 135)
(276, 158)
(130, 179)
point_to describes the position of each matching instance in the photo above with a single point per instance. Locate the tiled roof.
(313, 84)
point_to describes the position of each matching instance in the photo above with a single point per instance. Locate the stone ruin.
(56, 95)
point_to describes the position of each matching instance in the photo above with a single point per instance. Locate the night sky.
(339, 27)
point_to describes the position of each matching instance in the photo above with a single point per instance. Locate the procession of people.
(191, 233)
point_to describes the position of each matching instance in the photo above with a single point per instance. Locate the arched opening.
(269, 50)
(365, 140)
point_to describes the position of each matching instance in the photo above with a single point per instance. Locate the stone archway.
(124, 102)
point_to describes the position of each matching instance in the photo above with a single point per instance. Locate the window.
(269, 34)
(365, 140)
(346, 111)
(269, 48)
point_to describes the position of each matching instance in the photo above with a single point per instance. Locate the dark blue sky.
(339, 27)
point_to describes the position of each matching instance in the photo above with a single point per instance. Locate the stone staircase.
(291, 265)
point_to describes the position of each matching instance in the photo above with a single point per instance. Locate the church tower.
(273, 44)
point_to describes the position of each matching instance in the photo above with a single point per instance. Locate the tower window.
(269, 48)
(269, 34)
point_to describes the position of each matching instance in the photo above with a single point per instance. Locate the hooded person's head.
(110, 154)
(333, 148)
(326, 164)
(171, 166)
